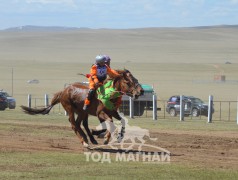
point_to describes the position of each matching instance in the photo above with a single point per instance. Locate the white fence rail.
(224, 110)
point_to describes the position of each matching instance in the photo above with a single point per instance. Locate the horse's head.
(130, 85)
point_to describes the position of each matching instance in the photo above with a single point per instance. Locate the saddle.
(107, 94)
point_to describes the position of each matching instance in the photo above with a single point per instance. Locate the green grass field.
(55, 165)
(40, 164)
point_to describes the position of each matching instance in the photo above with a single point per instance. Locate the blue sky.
(118, 13)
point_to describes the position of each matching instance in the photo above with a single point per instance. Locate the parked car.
(33, 81)
(3, 102)
(192, 106)
(10, 100)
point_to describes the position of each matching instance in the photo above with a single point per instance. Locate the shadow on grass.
(126, 151)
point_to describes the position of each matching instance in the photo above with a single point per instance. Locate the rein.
(124, 90)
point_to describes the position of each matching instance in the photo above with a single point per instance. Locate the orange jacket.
(112, 73)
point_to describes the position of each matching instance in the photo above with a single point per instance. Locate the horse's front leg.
(108, 124)
(121, 118)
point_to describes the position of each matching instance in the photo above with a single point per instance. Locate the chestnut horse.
(72, 99)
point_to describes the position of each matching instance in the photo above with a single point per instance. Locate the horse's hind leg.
(85, 125)
(98, 132)
(78, 124)
(77, 129)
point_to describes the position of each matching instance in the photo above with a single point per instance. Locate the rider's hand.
(98, 84)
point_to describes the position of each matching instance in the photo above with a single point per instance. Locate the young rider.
(107, 60)
(98, 74)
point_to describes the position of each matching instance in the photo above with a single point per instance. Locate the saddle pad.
(107, 92)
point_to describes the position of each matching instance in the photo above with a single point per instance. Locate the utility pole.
(12, 81)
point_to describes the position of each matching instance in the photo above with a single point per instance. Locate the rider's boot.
(86, 104)
(88, 99)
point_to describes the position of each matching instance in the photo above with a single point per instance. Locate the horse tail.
(33, 111)
(56, 99)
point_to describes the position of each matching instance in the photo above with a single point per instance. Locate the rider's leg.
(89, 98)
(90, 94)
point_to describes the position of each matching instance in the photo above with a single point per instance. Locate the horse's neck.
(117, 84)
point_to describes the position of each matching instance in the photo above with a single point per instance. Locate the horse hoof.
(94, 142)
(119, 139)
(85, 144)
(105, 141)
(101, 136)
(93, 132)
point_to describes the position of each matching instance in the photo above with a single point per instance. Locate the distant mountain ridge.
(41, 28)
(62, 28)
(216, 26)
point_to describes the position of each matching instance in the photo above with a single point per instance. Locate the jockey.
(98, 74)
(107, 60)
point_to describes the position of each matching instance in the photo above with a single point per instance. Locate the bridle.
(131, 84)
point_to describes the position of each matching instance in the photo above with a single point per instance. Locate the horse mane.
(119, 71)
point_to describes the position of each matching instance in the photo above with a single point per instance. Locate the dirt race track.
(213, 150)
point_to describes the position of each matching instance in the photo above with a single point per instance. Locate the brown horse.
(72, 99)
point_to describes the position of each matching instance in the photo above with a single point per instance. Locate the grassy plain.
(173, 60)
(167, 79)
(36, 147)
(57, 166)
